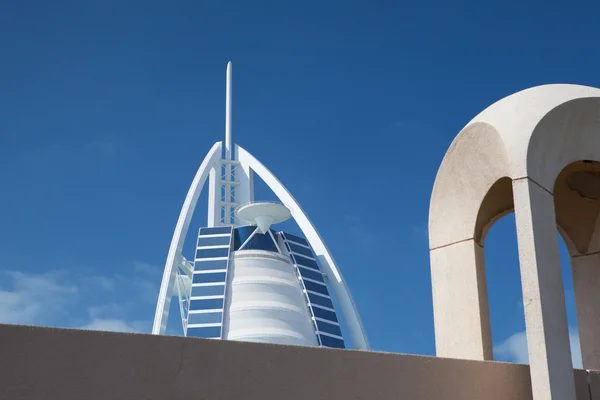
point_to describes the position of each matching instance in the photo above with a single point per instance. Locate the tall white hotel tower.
(248, 281)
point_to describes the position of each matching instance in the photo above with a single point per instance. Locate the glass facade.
(216, 230)
(209, 281)
(252, 240)
(306, 262)
(319, 302)
(209, 332)
(217, 252)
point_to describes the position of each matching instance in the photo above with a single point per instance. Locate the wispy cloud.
(146, 268)
(33, 298)
(514, 348)
(114, 325)
(118, 303)
(104, 282)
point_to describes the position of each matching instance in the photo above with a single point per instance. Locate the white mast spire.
(228, 114)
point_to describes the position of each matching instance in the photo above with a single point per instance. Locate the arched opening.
(577, 207)
(496, 232)
(505, 296)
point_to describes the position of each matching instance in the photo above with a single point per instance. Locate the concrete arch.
(457, 192)
(566, 134)
(511, 155)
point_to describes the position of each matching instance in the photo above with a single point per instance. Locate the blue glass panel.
(205, 318)
(320, 300)
(258, 241)
(328, 341)
(212, 253)
(329, 328)
(315, 287)
(210, 277)
(325, 314)
(213, 241)
(301, 250)
(310, 274)
(205, 332)
(217, 230)
(209, 264)
(261, 242)
(206, 304)
(294, 238)
(306, 262)
(208, 290)
(241, 234)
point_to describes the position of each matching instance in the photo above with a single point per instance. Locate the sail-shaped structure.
(247, 281)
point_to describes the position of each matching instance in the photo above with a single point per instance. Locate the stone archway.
(526, 140)
(577, 205)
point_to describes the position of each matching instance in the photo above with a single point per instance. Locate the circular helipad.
(263, 213)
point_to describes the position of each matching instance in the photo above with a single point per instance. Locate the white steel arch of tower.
(246, 165)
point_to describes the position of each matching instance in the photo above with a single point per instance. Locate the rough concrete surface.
(47, 363)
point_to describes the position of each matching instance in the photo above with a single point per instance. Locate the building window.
(213, 241)
(320, 300)
(206, 304)
(329, 341)
(206, 265)
(212, 253)
(216, 290)
(205, 318)
(217, 230)
(315, 287)
(329, 328)
(311, 274)
(211, 277)
(325, 314)
(301, 250)
(306, 262)
(257, 242)
(209, 332)
(294, 238)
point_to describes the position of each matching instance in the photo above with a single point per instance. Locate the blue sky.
(107, 109)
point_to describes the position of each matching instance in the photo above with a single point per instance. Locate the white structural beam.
(174, 257)
(348, 308)
(228, 114)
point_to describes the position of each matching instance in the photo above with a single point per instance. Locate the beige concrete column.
(460, 301)
(586, 284)
(543, 293)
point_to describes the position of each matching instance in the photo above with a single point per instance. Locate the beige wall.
(47, 363)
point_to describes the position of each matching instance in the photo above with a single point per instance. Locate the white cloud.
(33, 298)
(515, 348)
(113, 325)
(104, 282)
(58, 298)
(146, 268)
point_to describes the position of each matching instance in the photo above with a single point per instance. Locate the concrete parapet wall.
(47, 363)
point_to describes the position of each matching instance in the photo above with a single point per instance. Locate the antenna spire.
(228, 113)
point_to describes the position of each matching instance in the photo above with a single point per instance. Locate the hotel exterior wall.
(47, 363)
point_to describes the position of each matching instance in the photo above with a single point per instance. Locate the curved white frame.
(349, 311)
(250, 163)
(174, 257)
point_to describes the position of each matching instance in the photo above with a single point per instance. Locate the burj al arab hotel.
(248, 281)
